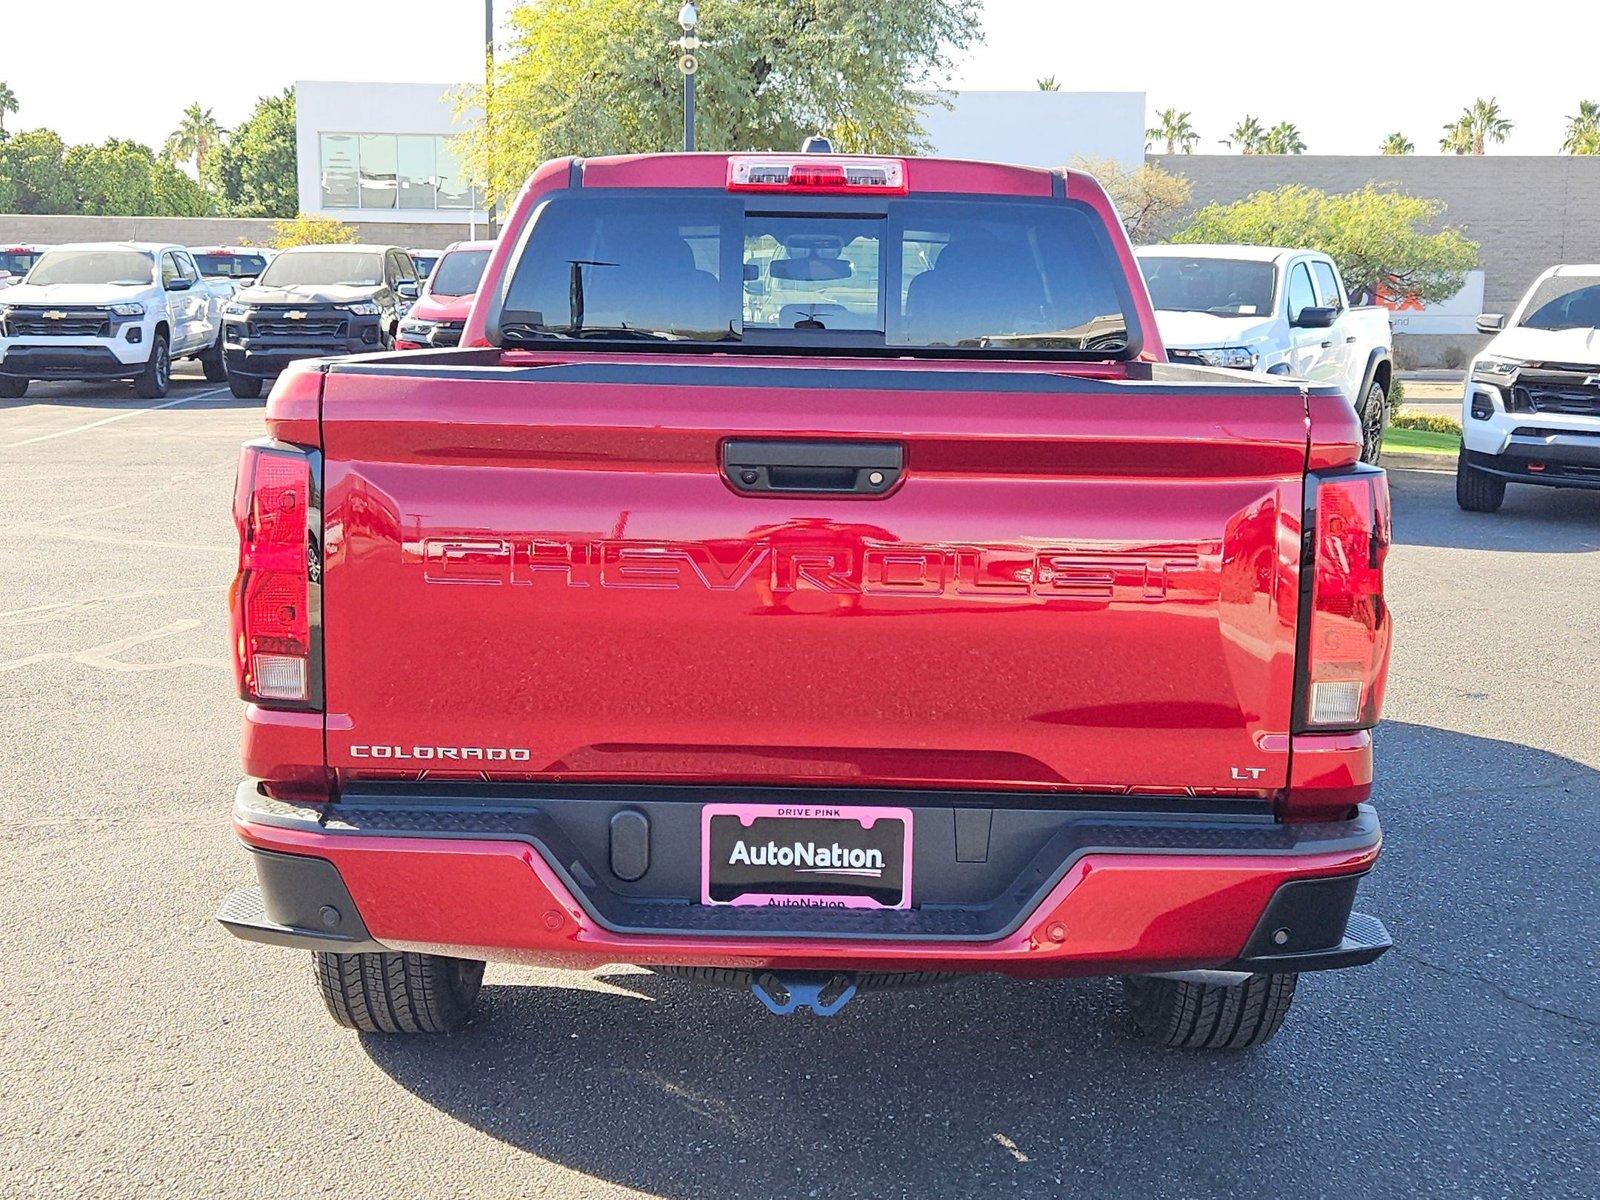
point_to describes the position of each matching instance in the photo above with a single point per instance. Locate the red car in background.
(439, 316)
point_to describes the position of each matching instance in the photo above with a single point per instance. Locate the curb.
(1420, 461)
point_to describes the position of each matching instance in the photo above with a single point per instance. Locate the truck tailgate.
(540, 571)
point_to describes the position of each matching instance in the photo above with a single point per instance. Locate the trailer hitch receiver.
(785, 993)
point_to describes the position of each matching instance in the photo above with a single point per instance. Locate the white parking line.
(121, 416)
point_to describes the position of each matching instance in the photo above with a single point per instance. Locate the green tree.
(1147, 197)
(1174, 128)
(125, 178)
(1283, 138)
(1249, 135)
(1048, 83)
(600, 77)
(1397, 143)
(8, 104)
(34, 165)
(1583, 130)
(1375, 235)
(306, 230)
(252, 172)
(1475, 128)
(194, 137)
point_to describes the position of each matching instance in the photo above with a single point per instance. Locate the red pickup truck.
(808, 574)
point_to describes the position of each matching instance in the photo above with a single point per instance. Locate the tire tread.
(395, 992)
(1200, 1016)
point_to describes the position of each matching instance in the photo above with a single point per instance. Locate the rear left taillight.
(276, 599)
(1345, 624)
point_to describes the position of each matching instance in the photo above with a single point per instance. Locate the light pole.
(688, 63)
(488, 106)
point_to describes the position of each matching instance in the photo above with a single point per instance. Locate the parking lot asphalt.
(147, 1054)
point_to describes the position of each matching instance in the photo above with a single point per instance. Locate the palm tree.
(8, 104)
(1476, 127)
(1397, 143)
(1249, 135)
(1583, 130)
(1048, 83)
(194, 137)
(1457, 137)
(1284, 138)
(1173, 128)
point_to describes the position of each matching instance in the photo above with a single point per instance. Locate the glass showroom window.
(378, 169)
(454, 190)
(339, 170)
(418, 181)
(387, 170)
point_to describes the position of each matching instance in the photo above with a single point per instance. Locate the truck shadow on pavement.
(989, 1086)
(1534, 519)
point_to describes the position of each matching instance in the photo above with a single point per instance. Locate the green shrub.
(1427, 421)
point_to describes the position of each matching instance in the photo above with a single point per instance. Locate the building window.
(339, 171)
(419, 181)
(388, 170)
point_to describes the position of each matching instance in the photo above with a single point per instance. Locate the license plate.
(805, 856)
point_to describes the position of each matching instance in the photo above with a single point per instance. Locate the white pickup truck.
(111, 310)
(1281, 312)
(1531, 413)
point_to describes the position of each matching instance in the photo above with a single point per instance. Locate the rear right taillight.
(276, 597)
(1345, 623)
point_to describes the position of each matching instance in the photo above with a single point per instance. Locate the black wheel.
(1477, 491)
(214, 362)
(1205, 1016)
(12, 388)
(1374, 419)
(245, 387)
(152, 383)
(398, 993)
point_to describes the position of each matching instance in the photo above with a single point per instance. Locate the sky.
(1347, 72)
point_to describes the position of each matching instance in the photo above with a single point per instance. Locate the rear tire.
(1478, 491)
(214, 362)
(245, 387)
(398, 993)
(152, 383)
(12, 388)
(1374, 420)
(1181, 1015)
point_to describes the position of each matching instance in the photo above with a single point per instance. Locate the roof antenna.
(817, 143)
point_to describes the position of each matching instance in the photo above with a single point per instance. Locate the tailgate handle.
(848, 468)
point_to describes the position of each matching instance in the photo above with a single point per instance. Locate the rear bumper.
(1088, 893)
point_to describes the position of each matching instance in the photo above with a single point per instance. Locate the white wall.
(331, 107)
(1040, 129)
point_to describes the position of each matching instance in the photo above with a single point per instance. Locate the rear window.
(231, 266)
(458, 273)
(987, 275)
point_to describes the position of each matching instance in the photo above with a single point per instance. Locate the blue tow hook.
(786, 992)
